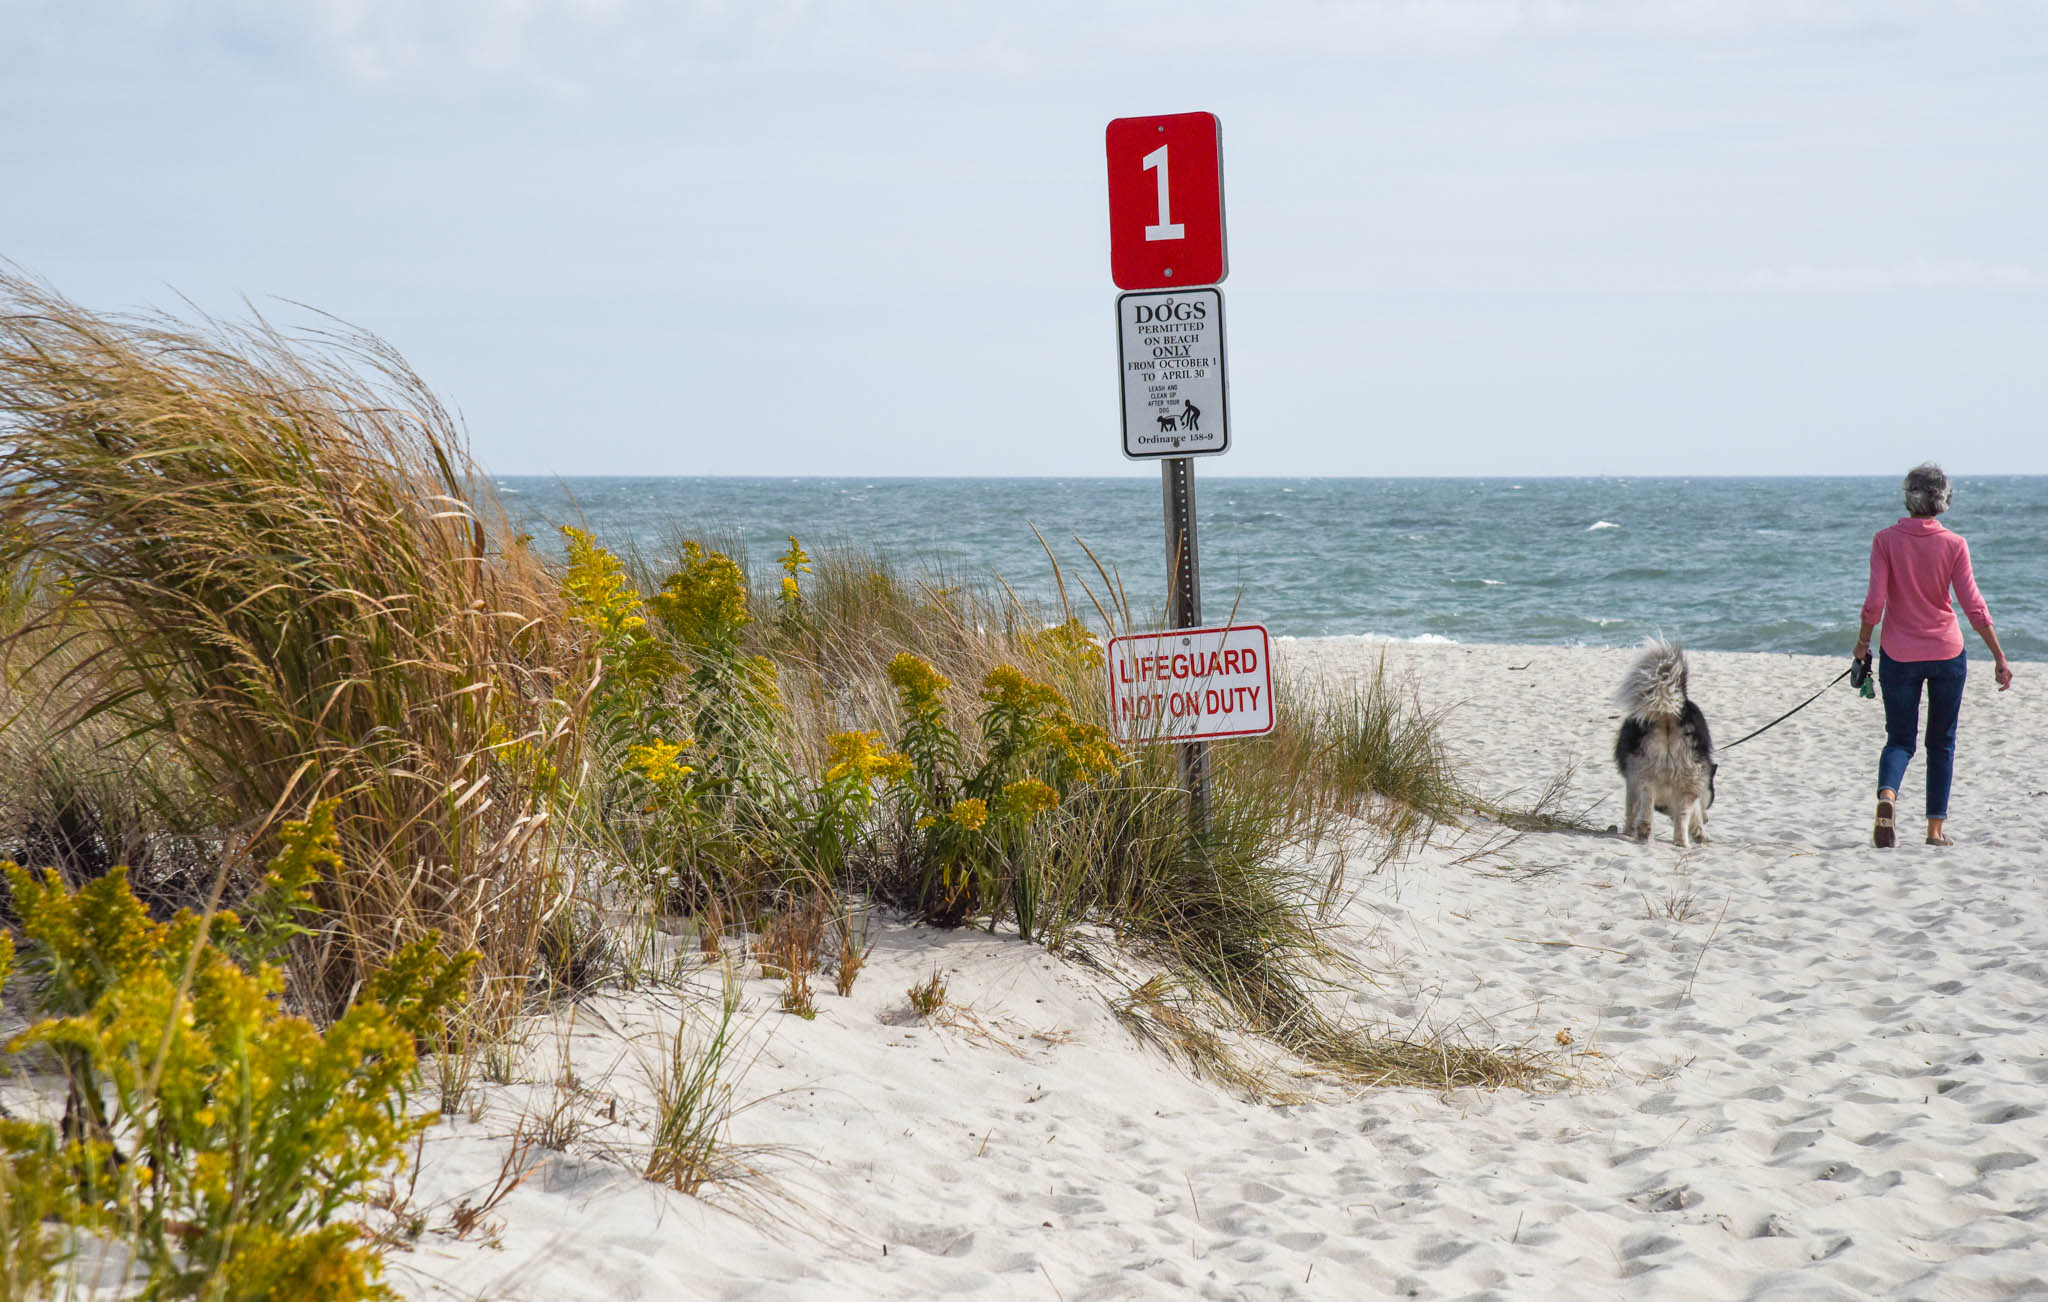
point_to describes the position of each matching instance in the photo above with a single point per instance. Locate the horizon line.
(1996, 474)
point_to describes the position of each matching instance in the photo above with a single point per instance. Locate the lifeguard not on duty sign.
(1191, 684)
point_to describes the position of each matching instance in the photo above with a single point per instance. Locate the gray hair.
(1927, 490)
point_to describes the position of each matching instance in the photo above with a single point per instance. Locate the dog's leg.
(1636, 814)
(1681, 823)
(1699, 821)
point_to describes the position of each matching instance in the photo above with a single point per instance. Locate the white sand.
(1810, 1069)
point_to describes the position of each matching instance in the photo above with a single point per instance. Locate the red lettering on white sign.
(1191, 684)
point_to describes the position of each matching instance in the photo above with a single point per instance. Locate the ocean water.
(1724, 564)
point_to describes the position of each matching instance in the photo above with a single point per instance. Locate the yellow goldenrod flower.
(855, 755)
(795, 561)
(705, 602)
(659, 761)
(1089, 748)
(599, 596)
(1006, 685)
(916, 682)
(1027, 797)
(970, 814)
(927, 822)
(848, 753)
(1069, 645)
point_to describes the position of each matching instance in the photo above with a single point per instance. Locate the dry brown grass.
(790, 944)
(851, 932)
(1182, 1023)
(1437, 1064)
(1166, 1015)
(471, 1215)
(928, 996)
(275, 561)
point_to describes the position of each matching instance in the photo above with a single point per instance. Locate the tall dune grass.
(244, 574)
(265, 568)
(1239, 911)
(270, 557)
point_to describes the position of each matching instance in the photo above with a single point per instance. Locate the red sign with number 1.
(1166, 201)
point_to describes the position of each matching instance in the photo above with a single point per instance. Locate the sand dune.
(1799, 1067)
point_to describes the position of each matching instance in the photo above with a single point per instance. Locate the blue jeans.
(1901, 680)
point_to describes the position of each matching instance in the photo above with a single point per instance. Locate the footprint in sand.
(1255, 1192)
(1793, 1140)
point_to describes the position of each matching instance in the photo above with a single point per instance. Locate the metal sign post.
(1166, 234)
(1184, 610)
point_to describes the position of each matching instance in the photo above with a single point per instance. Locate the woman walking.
(1913, 566)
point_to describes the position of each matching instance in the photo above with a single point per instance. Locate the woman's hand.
(1999, 668)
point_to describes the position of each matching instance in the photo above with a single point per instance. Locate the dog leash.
(1789, 713)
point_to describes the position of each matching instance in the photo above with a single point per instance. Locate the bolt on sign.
(1191, 684)
(1166, 201)
(1170, 355)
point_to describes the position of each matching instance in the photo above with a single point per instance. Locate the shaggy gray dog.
(1664, 751)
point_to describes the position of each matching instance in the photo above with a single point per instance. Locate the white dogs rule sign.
(1191, 684)
(1170, 354)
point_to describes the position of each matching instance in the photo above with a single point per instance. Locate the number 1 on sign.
(1167, 229)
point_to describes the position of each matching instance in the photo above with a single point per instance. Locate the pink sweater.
(1913, 565)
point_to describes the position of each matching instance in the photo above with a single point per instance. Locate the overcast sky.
(811, 238)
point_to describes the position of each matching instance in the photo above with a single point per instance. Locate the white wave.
(1434, 639)
(1493, 583)
(1602, 524)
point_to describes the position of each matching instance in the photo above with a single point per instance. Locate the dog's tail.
(1655, 686)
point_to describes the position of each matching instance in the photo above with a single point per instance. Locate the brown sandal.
(1882, 836)
(1940, 840)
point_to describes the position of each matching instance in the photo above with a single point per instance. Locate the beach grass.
(245, 575)
(272, 565)
(693, 1089)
